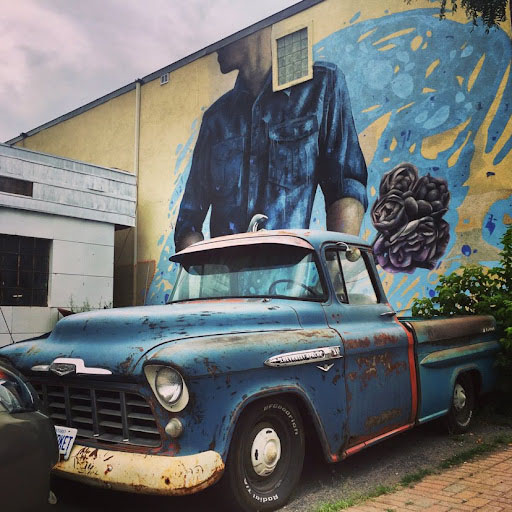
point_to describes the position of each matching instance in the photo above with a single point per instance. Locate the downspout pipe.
(138, 84)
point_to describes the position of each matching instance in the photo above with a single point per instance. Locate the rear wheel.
(461, 411)
(265, 458)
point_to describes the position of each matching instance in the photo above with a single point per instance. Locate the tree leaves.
(492, 12)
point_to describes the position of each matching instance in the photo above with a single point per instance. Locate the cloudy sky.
(60, 54)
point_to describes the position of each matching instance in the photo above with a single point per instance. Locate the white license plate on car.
(65, 438)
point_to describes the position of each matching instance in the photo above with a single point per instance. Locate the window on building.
(16, 186)
(24, 269)
(292, 58)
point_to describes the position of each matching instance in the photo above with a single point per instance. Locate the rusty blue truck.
(271, 341)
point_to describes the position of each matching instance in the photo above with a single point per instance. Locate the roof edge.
(36, 156)
(270, 20)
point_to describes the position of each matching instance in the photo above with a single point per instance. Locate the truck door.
(378, 353)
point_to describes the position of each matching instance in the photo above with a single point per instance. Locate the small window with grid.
(292, 57)
(24, 270)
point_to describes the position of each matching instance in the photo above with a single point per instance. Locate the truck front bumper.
(147, 474)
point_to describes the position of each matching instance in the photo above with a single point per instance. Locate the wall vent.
(164, 78)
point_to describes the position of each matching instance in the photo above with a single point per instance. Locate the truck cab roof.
(306, 238)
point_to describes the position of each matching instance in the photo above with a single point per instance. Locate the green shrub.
(477, 290)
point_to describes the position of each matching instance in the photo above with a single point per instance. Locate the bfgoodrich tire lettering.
(265, 457)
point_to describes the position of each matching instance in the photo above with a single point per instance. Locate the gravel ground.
(383, 464)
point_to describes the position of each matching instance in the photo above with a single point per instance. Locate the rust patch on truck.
(125, 365)
(455, 329)
(84, 461)
(143, 473)
(381, 340)
(369, 367)
(33, 350)
(382, 418)
(357, 343)
(211, 368)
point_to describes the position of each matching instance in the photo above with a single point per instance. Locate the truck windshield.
(268, 271)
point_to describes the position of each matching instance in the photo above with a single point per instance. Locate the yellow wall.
(168, 113)
(103, 135)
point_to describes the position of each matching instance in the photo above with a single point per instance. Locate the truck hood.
(117, 339)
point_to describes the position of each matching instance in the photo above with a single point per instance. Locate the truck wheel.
(265, 458)
(460, 415)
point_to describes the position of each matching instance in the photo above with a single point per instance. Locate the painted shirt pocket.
(226, 165)
(293, 151)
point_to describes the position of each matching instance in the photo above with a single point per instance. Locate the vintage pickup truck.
(271, 342)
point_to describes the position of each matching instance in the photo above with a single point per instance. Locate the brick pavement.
(485, 484)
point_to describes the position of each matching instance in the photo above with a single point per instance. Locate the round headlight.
(169, 385)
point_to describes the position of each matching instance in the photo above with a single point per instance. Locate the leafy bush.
(477, 290)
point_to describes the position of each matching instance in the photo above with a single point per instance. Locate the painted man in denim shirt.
(260, 151)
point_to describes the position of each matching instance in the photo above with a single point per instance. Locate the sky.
(58, 55)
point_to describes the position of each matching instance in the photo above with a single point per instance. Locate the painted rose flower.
(419, 244)
(432, 196)
(408, 216)
(388, 214)
(399, 180)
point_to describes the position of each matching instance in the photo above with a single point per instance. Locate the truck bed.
(446, 347)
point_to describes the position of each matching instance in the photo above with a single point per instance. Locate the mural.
(430, 104)
(267, 152)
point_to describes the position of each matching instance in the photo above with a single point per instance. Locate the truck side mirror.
(353, 254)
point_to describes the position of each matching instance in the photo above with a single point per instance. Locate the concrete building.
(284, 117)
(57, 223)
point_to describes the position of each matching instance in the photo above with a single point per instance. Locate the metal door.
(379, 360)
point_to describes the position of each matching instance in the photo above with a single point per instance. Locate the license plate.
(65, 438)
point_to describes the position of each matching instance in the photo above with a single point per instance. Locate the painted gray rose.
(431, 196)
(408, 217)
(388, 214)
(418, 245)
(399, 180)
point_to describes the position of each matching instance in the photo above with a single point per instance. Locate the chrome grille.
(106, 415)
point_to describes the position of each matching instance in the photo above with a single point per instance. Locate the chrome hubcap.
(265, 451)
(459, 397)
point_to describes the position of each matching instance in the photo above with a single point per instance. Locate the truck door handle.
(388, 313)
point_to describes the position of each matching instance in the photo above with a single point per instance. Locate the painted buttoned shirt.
(270, 153)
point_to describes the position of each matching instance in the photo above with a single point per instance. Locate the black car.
(28, 445)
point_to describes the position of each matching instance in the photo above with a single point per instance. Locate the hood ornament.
(62, 369)
(68, 365)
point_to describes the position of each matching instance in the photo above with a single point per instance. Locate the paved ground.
(484, 484)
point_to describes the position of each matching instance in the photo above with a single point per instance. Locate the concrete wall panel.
(54, 227)
(29, 320)
(80, 291)
(82, 259)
